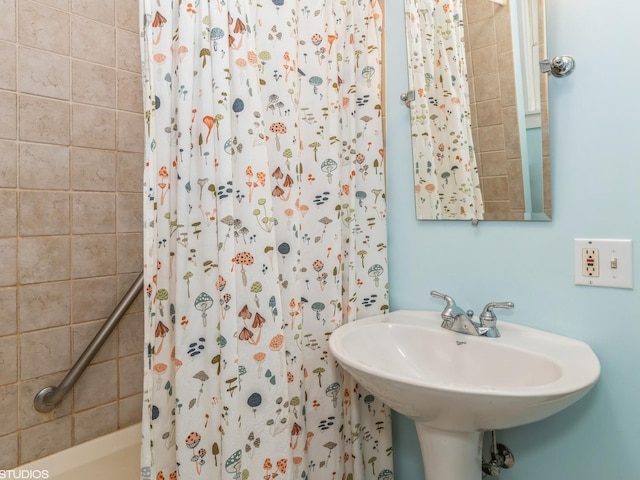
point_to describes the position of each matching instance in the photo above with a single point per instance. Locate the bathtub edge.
(87, 452)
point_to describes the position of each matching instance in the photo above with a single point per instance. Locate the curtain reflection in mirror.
(446, 173)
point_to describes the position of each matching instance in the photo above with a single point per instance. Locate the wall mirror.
(479, 109)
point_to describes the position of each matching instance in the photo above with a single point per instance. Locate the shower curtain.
(264, 231)
(447, 185)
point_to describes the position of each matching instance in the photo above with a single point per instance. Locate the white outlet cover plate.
(608, 250)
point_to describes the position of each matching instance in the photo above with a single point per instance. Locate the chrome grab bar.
(49, 397)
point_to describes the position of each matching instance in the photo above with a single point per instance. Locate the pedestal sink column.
(450, 455)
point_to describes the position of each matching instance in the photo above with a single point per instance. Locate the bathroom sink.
(463, 383)
(457, 386)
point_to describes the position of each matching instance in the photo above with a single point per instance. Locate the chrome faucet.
(457, 320)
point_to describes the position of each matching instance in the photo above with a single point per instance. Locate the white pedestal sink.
(457, 386)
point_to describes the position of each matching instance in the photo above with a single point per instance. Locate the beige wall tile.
(97, 386)
(43, 259)
(127, 15)
(45, 439)
(478, 153)
(43, 73)
(95, 422)
(491, 138)
(8, 72)
(130, 375)
(44, 213)
(52, 344)
(130, 172)
(93, 170)
(496, 210)
(8, 444)
(28, 415)
(99, 10)
(8, 356)
(478, 10)
(44, 167)
(129, 411)
(507, 79)
(516, 187)
(8, 409)
(59, 4)
(94, 213)
(489, 113)
(485, 60)
(43, 28)
(129, 212)
(503, 29)
(516, 197)
(511, 132)
(8, 311)
(44, 305)
(8, 251)
(93, 41)
(128, 51)
(93, 298)
(84, 333)
(485, 87)
(131, 334)
(494, 163)
(482, 34)
(129, 91)
(130, 132)
(94, 84)
(94, 127)
(8, 21)
(472, 100)
(8, 213)
(9, 164)
(468, 59)
(43, 120)
(8, 115)
(130, 255)
(93, 256)
(125, 281)
(495, 188)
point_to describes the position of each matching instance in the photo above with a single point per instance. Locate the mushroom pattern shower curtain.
(264, 231)
(447, 185)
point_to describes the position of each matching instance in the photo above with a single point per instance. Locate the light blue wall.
(595, 138)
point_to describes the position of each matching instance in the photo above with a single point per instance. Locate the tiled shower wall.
(71, 136)
(493, 108)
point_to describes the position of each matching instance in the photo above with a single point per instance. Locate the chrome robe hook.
(408, 97)
(560, 66)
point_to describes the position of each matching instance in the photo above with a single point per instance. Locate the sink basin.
(450, 383)
(461, 382)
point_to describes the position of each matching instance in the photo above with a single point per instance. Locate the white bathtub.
(112, 456)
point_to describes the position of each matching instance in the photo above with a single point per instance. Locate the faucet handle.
(487, 317)
(451, 310)
(451, 303)
(446, 298)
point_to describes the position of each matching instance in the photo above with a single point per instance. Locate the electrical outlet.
(603, 263)
(590, 262)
